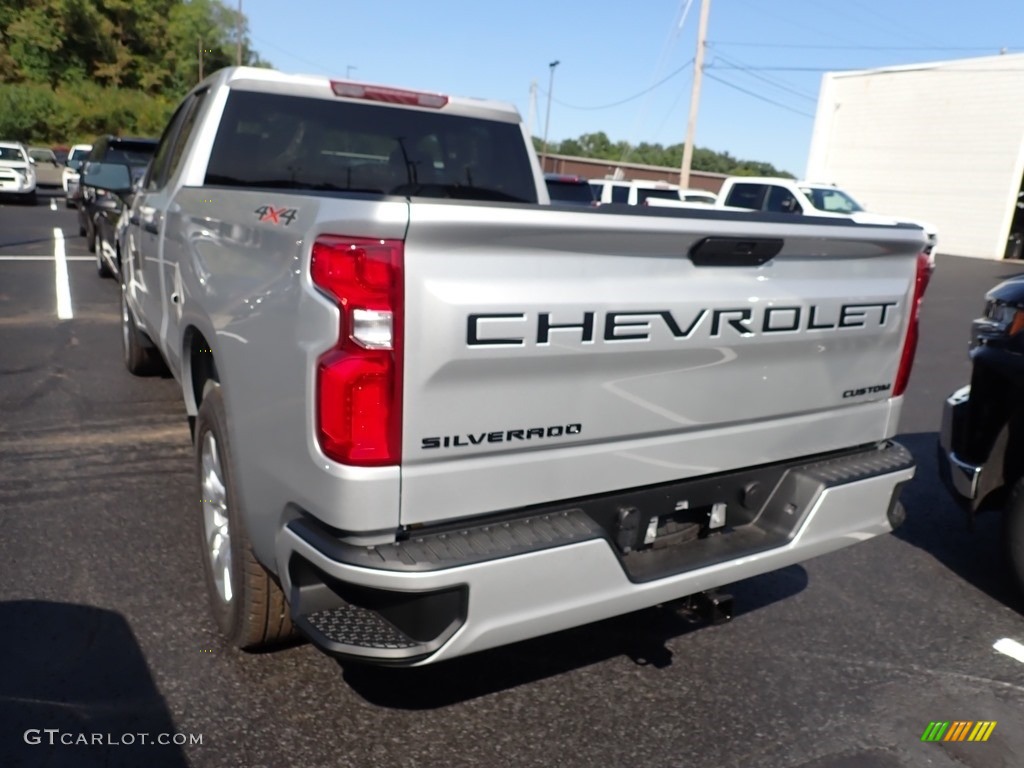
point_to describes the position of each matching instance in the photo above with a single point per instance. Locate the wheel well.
(201, 366)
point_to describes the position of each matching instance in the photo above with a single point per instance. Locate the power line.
(758, 96)
(809, 46)
(772, 81)
(628, 99)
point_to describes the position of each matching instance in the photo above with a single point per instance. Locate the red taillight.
(359, 381)
(388, 95)
(924, 271)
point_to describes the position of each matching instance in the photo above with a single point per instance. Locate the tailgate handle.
(735, 251)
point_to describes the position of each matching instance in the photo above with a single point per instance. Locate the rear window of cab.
(293, 142)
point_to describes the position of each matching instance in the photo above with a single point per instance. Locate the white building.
(940, 142)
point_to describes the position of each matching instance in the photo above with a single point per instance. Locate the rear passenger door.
(146, 280)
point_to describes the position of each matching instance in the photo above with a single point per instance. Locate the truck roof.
(323, 87)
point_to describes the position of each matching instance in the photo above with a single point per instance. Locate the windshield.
(12, 154)
(130, 153)
(80, 154)
(42, 154)
(570, 192)
(831, 199)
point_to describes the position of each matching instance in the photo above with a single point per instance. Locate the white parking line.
(1011, 648)
(61, 268)
(35, 257)
(53, 204)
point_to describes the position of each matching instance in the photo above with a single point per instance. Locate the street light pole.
(547, 118)
(348, 70)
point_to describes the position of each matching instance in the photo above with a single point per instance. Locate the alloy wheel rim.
(216, 530)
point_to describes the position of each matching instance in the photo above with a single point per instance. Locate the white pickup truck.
(781, 195)
(433, 413)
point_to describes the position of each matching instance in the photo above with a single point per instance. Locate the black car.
(981, 445)
(100, 210)
(564, 189)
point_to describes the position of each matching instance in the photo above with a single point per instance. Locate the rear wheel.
(248, 605)
(101, 264)
(83, 230)
(141, 358)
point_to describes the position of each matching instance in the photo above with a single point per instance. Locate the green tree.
(70, 69)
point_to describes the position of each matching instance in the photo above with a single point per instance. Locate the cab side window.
(169, 152)
(620, 194)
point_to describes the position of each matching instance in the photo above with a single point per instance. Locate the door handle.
(735, 251)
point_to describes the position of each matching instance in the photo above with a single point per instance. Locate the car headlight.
(1000, 323)
(1007, 316)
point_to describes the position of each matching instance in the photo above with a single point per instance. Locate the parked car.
(432, 414)
(111, 225)
(569, 189)
(633, 192)
(69, 177)
(17, 173)
(48, 167)
(981, 442)
(61, 152)
(93, 203)
(780, 195)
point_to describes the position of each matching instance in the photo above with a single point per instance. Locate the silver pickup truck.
(434, 413)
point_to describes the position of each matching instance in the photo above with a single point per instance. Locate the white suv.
(17, 176)
(640, 191)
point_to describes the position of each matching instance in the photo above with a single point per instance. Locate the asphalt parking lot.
(839, 663)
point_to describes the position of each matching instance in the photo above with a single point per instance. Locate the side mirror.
(113, 177)
(32, 160)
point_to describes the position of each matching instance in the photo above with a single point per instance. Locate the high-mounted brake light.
(923, 274)
(388, 95)
(359, 381)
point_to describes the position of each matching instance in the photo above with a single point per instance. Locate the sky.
(626, 67)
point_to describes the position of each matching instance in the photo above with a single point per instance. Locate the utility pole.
(348, 70)
(547, 118)
(698, 70)
(238, 33)
(200, 59)
(533, 108)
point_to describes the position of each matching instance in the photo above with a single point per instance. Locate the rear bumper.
(459, 591)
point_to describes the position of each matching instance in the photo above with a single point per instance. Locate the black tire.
(1013, 520)
(141, 357)
(102, 268)
(87, 232)
(255, 616)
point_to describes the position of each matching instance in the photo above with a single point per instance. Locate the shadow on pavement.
(79, 670)
(642, 636)
(937, 525)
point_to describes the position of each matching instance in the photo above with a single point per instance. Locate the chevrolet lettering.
(505, 328)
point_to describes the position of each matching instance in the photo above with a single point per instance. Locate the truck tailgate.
(552, 354)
